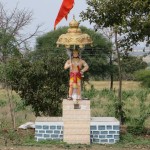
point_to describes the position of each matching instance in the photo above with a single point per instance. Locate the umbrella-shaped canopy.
(74, 36)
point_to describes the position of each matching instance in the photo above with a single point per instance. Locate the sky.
(45, 13)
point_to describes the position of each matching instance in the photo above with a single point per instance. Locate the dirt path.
(93, 147)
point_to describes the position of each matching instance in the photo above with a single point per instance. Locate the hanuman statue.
(77, 68)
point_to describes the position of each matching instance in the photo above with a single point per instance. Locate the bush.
(144, 77)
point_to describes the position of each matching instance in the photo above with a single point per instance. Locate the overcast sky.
(45, 12)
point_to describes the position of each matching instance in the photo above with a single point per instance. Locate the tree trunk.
(119, 111)
(111, 74)
(11, 106)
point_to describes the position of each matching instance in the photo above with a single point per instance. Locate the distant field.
(126, 85)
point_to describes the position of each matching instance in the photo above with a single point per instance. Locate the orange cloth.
(65, 8)
(75, 76)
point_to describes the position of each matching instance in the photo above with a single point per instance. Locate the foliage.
(130, 17)
(41, 83)
(96, 56)
(144, 77)
(130, 64)
(135, 104)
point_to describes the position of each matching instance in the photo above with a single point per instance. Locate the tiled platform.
(76, 126)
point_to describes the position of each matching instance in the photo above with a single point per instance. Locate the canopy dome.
(74, 36)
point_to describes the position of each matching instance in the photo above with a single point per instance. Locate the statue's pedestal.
(76, 122)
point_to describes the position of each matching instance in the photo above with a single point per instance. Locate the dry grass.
(126, 85)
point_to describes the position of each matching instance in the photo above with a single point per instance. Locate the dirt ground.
(92, 147)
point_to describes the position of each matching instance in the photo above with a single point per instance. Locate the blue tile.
(112, 132)
(91, 140)
(38, 127)
(38, 135)
(101, 127)
(116, 137)
(52, 127)
(45, 127)
(59, 127)
(46, 135)
(91, 136)
(36, 131)
(111, 140)
(104, 132)
(109, 136)
(93, 127)
(95, 136)
(54, 135)
(57, 132)
(102, 136)
(115, 127)
(41, 131)
(104, 140)
(109, 127)
(95, 132)
(49, 131)
(95, 140)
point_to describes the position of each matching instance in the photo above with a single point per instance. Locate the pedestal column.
(76, 122)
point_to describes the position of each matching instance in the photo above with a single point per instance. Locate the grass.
(102, 104)
(126, 85)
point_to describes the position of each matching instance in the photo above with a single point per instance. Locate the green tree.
(11, 41)
(144, 77)
(130, 64)
(130, 21)
(40, 78)
(96, 56)
(41, 83)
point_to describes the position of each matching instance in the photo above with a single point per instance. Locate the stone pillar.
(76, 122)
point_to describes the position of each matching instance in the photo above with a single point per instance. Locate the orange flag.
(65, 8)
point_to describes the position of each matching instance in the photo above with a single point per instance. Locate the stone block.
(38, 127)
(104, 132)
(77, 139)
(93, 127)
(49, 131)
(52, 127)
(101, 127)
(74, 131)
(45, 127)
(112, 132)
(109, 127)
(41, 131)
(115, 127)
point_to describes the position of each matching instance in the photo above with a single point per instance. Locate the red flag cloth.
(65, 8)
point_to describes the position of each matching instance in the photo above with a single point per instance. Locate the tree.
(144, 77)
(96, 56)
(11, 42)
(130, 21)
(132, 18)
(40, 78)
(131, 64)
(40, 83)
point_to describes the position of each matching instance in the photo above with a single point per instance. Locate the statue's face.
(75, 54)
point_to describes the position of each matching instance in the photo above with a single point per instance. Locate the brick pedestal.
(76, 122)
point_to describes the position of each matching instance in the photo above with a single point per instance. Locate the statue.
(77, 68)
